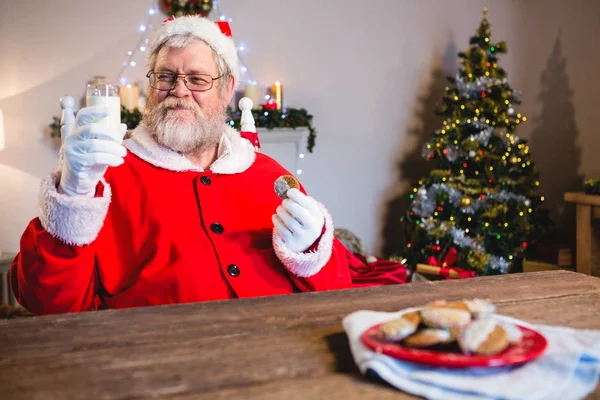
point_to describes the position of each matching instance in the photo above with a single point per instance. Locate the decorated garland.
(288, 118)
(264, 118)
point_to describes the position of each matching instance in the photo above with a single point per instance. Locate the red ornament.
(483, 94)
(524, 244)
(465, 165)
(271, 105)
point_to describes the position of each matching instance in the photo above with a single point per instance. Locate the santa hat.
(216, 34)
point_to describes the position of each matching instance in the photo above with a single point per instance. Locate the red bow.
(252, 137)
(449, 260)
(446, 265)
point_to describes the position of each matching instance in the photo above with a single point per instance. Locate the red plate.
(529, 348)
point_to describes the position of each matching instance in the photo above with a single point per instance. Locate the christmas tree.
(478, 209)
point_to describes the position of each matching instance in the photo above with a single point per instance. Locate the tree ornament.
(178, 8)
(465, 202)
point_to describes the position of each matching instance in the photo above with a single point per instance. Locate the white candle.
(130, 97)
(252, 91)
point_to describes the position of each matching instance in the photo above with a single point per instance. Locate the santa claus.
(183, 210)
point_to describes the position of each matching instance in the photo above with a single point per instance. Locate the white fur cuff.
(308, 264)
(74, 220)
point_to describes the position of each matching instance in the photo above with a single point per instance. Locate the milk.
(113, 104)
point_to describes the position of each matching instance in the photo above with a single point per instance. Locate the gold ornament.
(465, 201)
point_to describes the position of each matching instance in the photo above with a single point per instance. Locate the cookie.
(285, 183)
(428, 337)
(397, 329)
(479, 307)
(445, 316)
(515, 335)
(483, 337)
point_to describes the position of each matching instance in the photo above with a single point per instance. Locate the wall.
(369, 72)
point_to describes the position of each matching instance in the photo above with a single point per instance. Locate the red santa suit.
(161, 230)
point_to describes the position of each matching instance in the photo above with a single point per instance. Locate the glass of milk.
(105, 95)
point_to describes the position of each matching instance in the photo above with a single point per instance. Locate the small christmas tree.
(478, 209)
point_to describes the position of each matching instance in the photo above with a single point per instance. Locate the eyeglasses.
(168, 80)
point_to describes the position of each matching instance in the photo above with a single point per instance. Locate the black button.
(233, 270)
(205, 180)
(216, 227)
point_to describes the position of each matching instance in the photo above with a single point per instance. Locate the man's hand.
(88, 151)
(298, 221)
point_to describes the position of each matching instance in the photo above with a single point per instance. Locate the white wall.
(368, 72)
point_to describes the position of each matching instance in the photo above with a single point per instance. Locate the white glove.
(298, 221)
(88, 151)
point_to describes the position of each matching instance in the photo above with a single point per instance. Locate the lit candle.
(251, 90)
(277, 94)
(130, 97)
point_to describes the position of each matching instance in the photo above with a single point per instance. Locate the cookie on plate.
(399, 328)
(450, 316)
(428, 337)
(483, 337)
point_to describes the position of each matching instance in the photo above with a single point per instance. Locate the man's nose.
(179, 89)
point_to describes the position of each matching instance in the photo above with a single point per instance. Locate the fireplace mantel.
(284, 145)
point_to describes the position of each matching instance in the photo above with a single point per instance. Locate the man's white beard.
(190, 137)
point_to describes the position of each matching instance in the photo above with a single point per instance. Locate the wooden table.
(587, 207)
(287, 347)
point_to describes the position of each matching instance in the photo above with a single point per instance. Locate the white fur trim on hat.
(204, 29)
(307, 264)
(76, 220)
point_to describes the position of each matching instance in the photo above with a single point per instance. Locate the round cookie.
(483, 337)
(512, 331)
(285, 183)
(428, 337)
(399, 328)
(445, 317)
(479, 307)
